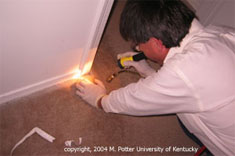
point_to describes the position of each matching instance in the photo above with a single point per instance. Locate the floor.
(59, 112)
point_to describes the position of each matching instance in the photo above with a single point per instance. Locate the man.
(196, 80)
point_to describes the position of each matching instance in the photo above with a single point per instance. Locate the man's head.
(165, 21)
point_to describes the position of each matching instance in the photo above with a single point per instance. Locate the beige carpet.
(58, 111)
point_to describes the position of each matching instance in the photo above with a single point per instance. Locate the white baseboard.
(34, 87)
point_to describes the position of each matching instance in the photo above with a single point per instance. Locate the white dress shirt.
(197, 82)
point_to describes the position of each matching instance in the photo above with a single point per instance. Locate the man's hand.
(141, 66)
(91, 92)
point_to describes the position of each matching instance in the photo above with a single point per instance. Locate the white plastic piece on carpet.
(34, 130)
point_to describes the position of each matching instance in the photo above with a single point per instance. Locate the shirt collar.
(195, 28)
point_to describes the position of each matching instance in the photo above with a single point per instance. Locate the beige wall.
(217, 12)
(43, 41)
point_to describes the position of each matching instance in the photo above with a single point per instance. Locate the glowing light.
(78, 74)
(87, 68)
(83, 75)
(86, 79)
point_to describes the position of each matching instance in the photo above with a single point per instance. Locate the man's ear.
(156, 43)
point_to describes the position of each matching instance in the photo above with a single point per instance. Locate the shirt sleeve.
(163, 92)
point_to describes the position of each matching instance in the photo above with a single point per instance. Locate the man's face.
(154, 50)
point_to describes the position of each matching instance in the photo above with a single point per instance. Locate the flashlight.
(136, 57)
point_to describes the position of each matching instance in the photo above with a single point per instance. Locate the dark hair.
(166, 20)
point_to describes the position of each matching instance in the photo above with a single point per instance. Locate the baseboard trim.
(24, 91)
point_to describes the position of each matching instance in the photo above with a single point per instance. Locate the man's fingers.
(90, 91)
(98, 82)
(79, 86)
(80, 90)
(79, 93)
(83, 83)
(82, 86)
(130, 63)
(126, 54)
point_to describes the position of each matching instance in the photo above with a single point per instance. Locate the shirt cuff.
(105, 103)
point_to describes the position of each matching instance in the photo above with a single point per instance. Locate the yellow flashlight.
(136, 57)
